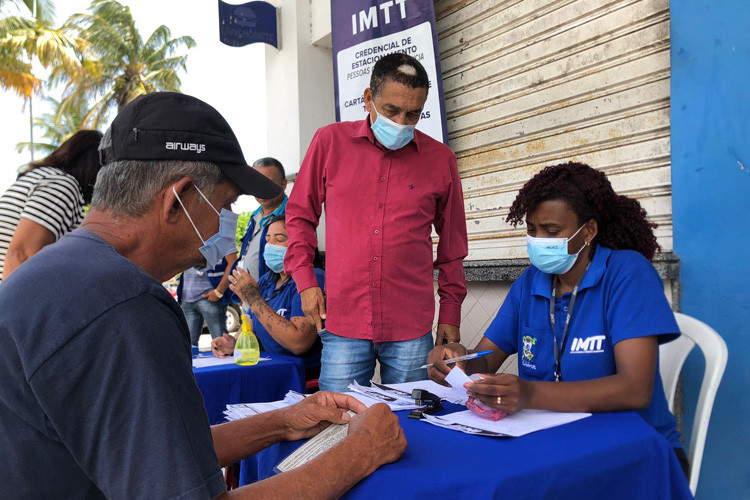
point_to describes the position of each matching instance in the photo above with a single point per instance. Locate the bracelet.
(218, 293)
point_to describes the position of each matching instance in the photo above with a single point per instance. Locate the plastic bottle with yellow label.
(246, 350)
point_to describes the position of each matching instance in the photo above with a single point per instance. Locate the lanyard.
(561, 347)
(277, 291)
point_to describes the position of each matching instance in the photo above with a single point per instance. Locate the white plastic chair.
(672, 356)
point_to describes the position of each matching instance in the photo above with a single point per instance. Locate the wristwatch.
(218, 293)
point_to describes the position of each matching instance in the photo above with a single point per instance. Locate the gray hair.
(128, 187)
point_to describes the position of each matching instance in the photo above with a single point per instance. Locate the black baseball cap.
(172, 126)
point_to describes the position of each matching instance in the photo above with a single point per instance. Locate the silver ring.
(499, 400)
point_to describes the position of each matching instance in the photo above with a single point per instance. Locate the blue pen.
(461, 358)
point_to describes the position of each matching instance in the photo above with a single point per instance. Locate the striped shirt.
(47, 196)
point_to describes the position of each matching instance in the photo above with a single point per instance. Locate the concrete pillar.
(299, 83)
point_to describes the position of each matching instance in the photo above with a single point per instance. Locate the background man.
(200, 293)
(98, 392)
(385, 185)
(254, 241)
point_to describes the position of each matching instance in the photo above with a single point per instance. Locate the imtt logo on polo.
(587, 345)
(186, 146)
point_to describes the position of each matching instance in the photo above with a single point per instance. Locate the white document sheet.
(242, 410)
(396, 400)
(518, 424)
(203, 361)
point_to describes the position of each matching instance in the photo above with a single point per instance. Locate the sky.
(231, 79)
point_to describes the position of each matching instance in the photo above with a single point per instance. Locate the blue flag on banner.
(252, 22)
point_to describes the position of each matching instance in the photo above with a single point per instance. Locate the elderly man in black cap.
(98, 397)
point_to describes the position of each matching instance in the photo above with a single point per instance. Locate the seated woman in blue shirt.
(591, 283)
(275, 307)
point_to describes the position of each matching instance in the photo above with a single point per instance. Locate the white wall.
(299, 86)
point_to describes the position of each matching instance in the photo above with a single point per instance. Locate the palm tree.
(23, 39)
(124, 66)
(56, 127)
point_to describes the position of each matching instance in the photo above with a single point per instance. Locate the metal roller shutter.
(529, 83)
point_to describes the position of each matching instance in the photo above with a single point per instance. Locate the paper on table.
(518, 424)
(371, 395)
(202, 361)
(242, 410)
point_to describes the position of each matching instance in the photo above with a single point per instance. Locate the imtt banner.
(363, 31)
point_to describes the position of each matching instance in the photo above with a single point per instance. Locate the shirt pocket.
(535, 355)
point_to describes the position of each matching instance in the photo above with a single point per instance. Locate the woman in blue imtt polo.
(591, 283)
(275, 307)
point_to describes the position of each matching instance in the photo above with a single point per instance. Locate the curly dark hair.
(621, 220)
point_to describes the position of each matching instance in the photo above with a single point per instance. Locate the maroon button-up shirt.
(380, 209)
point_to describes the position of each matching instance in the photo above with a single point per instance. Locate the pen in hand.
(460, 358)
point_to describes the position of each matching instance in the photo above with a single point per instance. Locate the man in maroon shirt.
(385, 185)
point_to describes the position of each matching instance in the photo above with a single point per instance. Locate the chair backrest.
(671, 358)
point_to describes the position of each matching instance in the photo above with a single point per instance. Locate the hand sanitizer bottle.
(246, 351)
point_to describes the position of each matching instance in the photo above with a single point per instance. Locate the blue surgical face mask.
(550, 255)
(390, 134)
(220, 244)
(274, 257)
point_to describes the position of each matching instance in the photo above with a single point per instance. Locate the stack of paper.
(518, 424)
(455, 395)
(242, 410)
(396, 400)
(202, 361)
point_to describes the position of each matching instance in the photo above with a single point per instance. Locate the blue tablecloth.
(608, 455)
(232, 383)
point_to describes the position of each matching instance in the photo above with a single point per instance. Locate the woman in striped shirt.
(47, 199)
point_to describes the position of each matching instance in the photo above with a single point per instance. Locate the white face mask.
(220, 244)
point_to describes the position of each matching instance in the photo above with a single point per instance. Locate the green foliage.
(27, 38)
(242, 223)
(122, 66)
(56, 127)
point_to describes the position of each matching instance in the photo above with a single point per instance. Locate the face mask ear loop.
(574, 235)
(188, 216)
(204, 197)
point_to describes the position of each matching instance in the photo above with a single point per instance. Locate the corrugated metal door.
(529, 83)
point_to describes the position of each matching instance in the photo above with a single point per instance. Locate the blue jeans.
(344, 359)
(213, 313)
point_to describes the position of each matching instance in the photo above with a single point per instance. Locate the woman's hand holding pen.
(503, 391)
(439, 370)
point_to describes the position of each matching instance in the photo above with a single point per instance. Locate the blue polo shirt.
(286, 301)
(621, 297)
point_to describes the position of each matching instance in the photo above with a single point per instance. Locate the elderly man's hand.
(381, 435)
(316, 412)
